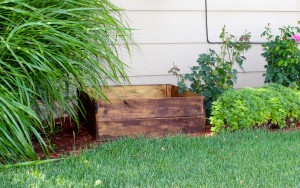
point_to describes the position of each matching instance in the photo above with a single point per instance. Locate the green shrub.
(283, 56)
(273, 105)
(49, 49)
(214, 73)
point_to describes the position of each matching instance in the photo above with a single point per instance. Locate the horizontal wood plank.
(149, 127)
(186, 93)
(136, 92)
(150, 108)
(170, 114)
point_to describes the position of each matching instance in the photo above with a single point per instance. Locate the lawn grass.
(241, 159)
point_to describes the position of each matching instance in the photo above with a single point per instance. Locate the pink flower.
(296, 37)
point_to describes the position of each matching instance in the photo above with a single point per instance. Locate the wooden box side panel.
(150, 108)
(187, 93)
(87, 117)
(149, 127)
(136, 92)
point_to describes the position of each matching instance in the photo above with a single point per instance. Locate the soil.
(69, 140)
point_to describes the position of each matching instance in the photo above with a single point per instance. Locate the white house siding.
(173, 31)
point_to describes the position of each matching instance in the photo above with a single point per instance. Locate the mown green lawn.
(241, 159)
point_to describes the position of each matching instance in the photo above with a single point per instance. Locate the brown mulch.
(69, 140)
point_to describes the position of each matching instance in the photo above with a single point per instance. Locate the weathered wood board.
(152, 110)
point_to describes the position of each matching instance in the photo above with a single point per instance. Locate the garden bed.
(69, 140)
(148, 110)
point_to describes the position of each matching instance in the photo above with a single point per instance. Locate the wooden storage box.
(149, 110)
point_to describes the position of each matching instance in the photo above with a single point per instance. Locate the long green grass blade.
(49, 50)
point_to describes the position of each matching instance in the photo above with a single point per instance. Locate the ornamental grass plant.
(49, 49)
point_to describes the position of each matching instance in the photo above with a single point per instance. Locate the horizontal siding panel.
(160, 4)
(189, 27)
(250, 79)
(159, 59)
(254, 79)
(237, 22)
(169, 5)
(168, 27)
(173, 31)
(255, 5)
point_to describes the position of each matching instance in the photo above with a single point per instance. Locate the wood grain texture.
(186, 93)
(155, 127)
(150, 110)
(135, 92)
(165, 103)
(87, 117)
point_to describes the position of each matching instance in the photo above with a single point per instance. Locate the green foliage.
(49, 49)
(214, 73)
(274, 105)
(283, 57)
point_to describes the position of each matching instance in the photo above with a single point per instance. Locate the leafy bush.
(273, 105)
(283, 56)
(214, 73)
(49, 49)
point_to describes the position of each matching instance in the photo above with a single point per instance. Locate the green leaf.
(49, 51)
(280, 62)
